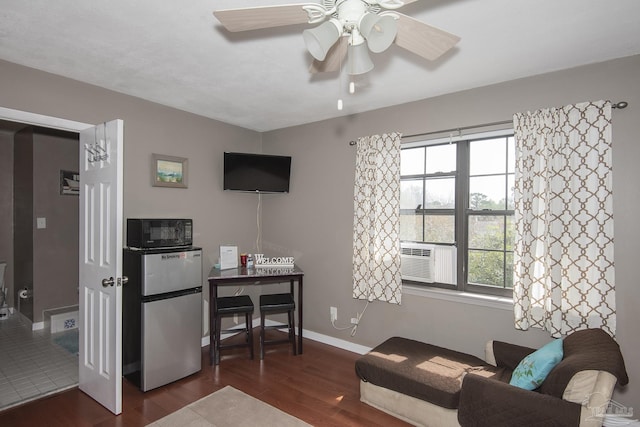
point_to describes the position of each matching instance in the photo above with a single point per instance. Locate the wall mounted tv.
(256, 172)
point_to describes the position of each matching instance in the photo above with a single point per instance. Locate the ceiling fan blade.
(422, 39)
(255, 18)
(335, 57)
(394, 4)
(406, 2)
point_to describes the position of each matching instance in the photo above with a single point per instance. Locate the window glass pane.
(487, 192)
(511, 154)
(511, 184)
(411, 227)
(511, 233)
(508, 274)
(439, 228)
(486, 268)
(486, 232)
(441, 158)
(487, 156)
(411, 194)
(440, 193)
(412, 161)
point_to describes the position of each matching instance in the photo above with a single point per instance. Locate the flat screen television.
(256, 172)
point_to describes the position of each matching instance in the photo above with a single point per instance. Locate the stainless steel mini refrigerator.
(162, 315)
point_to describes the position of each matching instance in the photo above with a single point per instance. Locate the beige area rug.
(228, 407)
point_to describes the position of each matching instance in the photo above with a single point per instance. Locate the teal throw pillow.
(533, 369)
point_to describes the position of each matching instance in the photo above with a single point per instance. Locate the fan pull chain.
(340, 84)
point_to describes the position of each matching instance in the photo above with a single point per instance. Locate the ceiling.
(177, 54)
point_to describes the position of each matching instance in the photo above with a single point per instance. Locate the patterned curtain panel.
(564, 272)
(376, 221)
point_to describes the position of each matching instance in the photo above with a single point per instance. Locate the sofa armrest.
(505, 355)
(489, 403)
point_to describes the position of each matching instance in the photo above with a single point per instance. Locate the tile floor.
(31, 364)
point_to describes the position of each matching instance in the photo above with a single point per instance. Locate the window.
(456, 213)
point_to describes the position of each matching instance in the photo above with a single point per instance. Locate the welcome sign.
(263, 261)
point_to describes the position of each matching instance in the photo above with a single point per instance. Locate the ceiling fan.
(349, 28)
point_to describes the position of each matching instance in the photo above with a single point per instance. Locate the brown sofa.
(427, 385)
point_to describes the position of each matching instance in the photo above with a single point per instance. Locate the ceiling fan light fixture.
(319, 40)
(350, 23)
(379, 31)
(358, 61)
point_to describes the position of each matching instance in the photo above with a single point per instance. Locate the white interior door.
(100, 359)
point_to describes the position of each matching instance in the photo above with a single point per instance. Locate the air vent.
(416, 251)
(417, 262)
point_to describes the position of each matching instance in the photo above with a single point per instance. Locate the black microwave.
(159, 233)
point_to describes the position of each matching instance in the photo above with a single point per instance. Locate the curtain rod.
(619, 105)
(460, 129)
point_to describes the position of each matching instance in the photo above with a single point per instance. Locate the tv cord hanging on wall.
(259, 228)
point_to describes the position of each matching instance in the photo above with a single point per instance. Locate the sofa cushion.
(421, 370)
(586, 384)
(588, 349)
(534, 368)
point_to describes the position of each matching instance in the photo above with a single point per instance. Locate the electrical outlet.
(333, 311)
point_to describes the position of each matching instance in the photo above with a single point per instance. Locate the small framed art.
(169, 171)
(69, 183)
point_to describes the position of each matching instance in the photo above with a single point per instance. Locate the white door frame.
(40, 120)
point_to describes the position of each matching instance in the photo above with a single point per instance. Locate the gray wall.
(314, 222)
(6, 210)
(23, 219)
(55, 248)
(46, 260)
(219, 217)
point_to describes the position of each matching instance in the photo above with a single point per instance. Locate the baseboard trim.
(336, 342)
(37, 326)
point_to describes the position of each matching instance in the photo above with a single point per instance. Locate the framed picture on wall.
(169, 171)
(69, 183)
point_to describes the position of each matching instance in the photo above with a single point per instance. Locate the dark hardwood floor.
(319, 387)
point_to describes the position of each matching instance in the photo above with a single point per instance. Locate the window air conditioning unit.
(422, 262)
(417, 262)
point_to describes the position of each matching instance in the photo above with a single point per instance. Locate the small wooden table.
(252, 276)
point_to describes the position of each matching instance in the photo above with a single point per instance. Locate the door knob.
(108, 282)
(123, 280)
